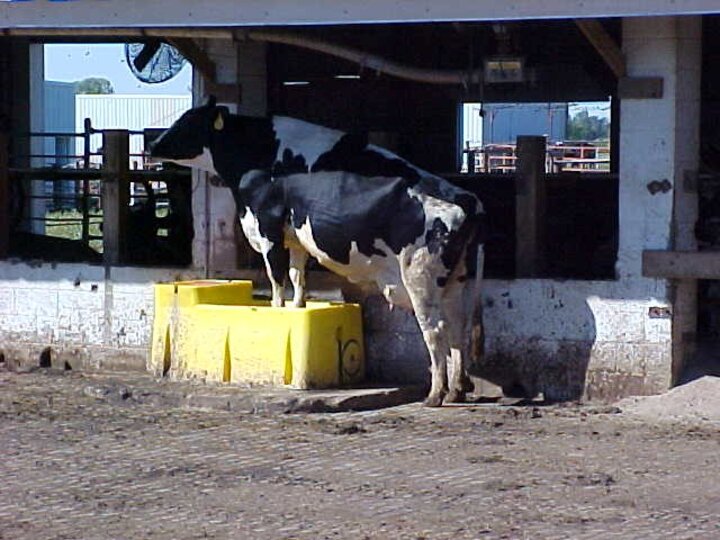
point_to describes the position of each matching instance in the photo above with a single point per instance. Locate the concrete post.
(216, 246)
(659, 140)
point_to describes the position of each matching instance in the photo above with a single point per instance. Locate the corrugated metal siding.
(59, 106)
(58, 117)
(132, 112)
(472, 125)
(503, 122)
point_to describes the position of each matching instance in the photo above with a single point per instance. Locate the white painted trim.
(170, 13)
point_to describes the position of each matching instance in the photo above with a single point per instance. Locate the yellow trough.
(217, 331)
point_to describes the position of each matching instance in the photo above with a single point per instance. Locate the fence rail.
(571, 157)
(47, 192)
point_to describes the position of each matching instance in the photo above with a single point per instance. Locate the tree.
(94, 85)
(583, 127)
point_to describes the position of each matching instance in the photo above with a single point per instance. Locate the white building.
(134, 112)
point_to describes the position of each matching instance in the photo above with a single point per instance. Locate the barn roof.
(40, 14)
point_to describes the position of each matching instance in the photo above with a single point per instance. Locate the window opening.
(58, 169)
(580, 216)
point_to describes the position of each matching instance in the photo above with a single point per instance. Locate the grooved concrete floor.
(76, 464)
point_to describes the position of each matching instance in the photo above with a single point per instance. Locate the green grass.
(72, 230)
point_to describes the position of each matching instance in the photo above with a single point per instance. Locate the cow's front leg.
(276, 265)
(298, 260)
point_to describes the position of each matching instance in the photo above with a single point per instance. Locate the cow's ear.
(212, 101)
(219, 123)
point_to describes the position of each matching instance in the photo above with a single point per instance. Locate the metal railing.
(61, 193)
(571, 157)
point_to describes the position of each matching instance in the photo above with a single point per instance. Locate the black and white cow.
(361, 211)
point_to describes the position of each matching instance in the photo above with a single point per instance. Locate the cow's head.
(189, 140)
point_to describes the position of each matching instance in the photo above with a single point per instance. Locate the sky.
(75, 62)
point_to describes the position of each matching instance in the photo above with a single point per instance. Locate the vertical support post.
(115, 194)
(659, 139)
(530, 202)
(4, 196)
(85, 200)
(688, 76)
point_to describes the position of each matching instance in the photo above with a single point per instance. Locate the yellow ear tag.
(219, 122)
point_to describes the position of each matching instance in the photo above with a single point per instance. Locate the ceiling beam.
(188, 13)
(604, 44)
(196, 56)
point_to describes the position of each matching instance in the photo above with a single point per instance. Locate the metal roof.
(38, 14)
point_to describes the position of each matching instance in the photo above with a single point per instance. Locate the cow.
(363, 212)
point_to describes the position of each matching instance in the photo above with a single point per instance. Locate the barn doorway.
(704, 357)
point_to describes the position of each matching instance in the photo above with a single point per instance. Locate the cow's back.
(308, 147)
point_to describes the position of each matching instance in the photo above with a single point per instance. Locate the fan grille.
(164, 63)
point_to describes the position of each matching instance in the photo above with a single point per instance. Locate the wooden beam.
(4, 197)
(140, 14)
(225, 93)
(681, 264)
(196, 56)
(641, 87)
(115, 194)
(530, 203)
(604, 44)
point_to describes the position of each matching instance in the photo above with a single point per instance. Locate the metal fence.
(61, 195)
(571, 157)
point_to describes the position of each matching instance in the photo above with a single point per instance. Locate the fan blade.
(148, 51)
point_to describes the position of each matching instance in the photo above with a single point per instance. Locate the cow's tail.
(474, 264)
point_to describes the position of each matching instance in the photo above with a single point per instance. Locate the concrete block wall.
(564, 339)
(77, 316)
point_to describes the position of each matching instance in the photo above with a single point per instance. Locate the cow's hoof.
(433, 401)
(455, 396)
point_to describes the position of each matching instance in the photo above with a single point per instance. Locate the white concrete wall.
(88, 317)
(555, 337)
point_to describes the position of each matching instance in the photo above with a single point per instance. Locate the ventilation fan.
(154, 61)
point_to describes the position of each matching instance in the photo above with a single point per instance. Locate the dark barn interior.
(420, 121)
(707, 229)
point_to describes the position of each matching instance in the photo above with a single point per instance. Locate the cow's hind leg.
(435, 336)
(463, 308)
(426, 300)
(276, 264)
(298, 260)
(455, 310)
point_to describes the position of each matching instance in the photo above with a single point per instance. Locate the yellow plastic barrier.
(217, 331)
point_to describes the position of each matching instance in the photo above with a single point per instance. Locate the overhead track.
(363, 59)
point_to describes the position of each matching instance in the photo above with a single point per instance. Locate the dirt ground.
(80, 461)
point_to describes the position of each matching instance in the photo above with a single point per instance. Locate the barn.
(597, 284)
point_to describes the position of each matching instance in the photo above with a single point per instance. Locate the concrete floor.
(78, 461)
